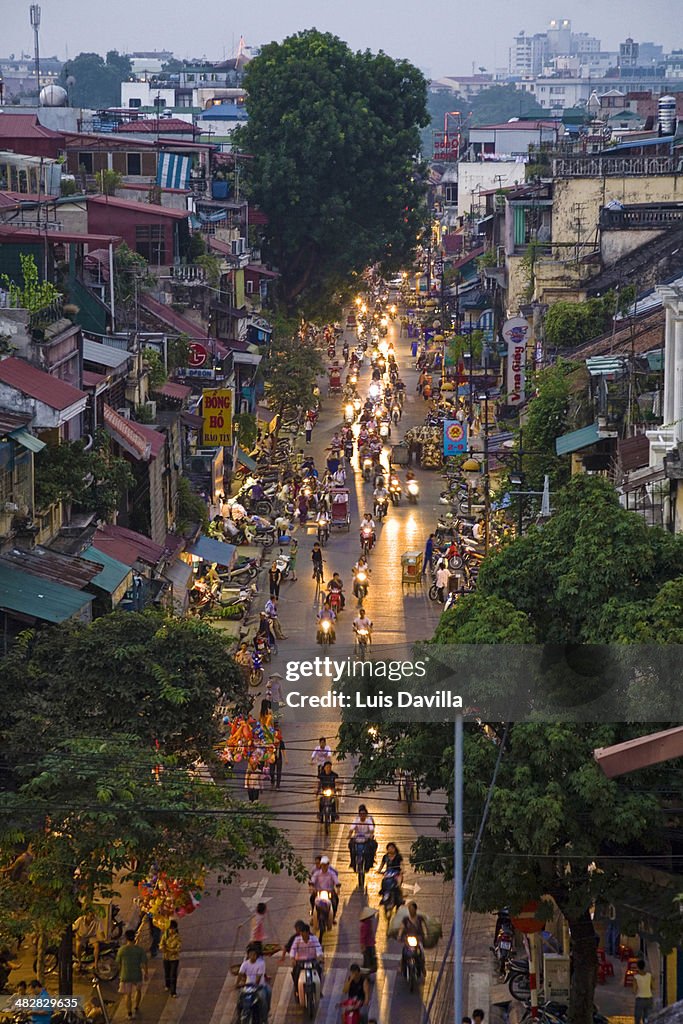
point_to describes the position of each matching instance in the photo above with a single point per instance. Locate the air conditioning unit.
(237, 246)
(124, 412)
(10, 507)
(151, 407)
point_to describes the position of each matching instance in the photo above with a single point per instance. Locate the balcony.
(615, 166)
(642, 216)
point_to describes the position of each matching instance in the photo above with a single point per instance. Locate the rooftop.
(156, 126)
(38, 598)
(24, 126)
(127, 546)
(51, 391)
(131, 205)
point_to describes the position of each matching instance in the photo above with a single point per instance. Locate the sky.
(439, 36)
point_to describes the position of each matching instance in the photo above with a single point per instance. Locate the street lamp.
(471, 470)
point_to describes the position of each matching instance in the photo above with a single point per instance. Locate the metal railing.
(607, 166)
(653, 216)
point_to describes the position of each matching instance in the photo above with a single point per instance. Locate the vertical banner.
(454, 437)
(515, 333)
(217, 415)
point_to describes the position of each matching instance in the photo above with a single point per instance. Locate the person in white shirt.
(327, 879)
(442, 580)
(253, 972)
(478, 530)
(305, 947)
(363, 829)
(320, 754)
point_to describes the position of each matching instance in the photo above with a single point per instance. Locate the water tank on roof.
(667, 114)
(53, 96)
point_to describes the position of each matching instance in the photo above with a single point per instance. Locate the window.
(133, 164)
(85, 163)
(249, 287)
(150, 242)
(135, 102)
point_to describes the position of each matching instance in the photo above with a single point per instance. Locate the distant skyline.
(441, 37)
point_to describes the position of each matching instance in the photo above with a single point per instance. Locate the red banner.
(446, 146)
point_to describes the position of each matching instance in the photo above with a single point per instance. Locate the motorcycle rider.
(327, 779)
(357, 989)
(361, 621)
(306, 947)
(368, 523)
(391, 866)
(381, 496)
(336, 586)
(360, 566)
(326, 614)
(253, 972)
(326, 879)
(363, 828)
(321, 755)
(414, 924)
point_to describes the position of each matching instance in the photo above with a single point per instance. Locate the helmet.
(324, 860)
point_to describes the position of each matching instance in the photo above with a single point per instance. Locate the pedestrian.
(641, 984)
(253, 780)
(132, 963)
(429, 550)
(442, 580)
(368, 933)
(309, 430)
(259, 928)
(477, 1017)
(274, 692)
(266, 714)
(293, 551)
(280, 754)
(275, 578)
(41, 1010)
(171, 946)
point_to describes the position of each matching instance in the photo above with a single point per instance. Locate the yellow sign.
(217, 414)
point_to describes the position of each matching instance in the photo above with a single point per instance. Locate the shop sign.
(515, 333)
(217, 405)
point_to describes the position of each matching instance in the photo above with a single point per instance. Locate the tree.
(96, 82)
(500, 103)
(109, 181)
(334, 136)
(131, 274)
(99, 767)
(547, 419)
(34, 294)
(292, 370)
(96, 480)
(191, 508)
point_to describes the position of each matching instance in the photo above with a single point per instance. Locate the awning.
(190, 420)
(180, 574)
(40, 598)
(577, 439)
(22, 437)
(246, 460)
(172, 390)
(104, 355)
(113, 573)
(640, 478)
(211, 550)
(173, 171)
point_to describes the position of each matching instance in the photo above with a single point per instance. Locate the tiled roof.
(156, 125)
(142, 442)
(182, 324)
(51, 391)
(638, 336)
(127, 546)
(24, 126)
(131, 205)
(171, 390)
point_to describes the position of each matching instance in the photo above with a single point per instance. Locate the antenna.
(35, 22)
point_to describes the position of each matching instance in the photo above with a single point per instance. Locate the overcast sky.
(440, 36)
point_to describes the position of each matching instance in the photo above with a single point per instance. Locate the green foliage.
(191, 508)
(334, 136)
(212, 267)
(196, 247)
(96, 480)
(246, 421)
(68, 187)
(109, 181)
(35, 295)
(569, 324)
(292, 370)
(98, 758)
(131, 276)
(178, 352)
(546, 420)
(500, 103)
(528, 268)
(461, 343)
(155, 368)
(97, 82)
(487, 259)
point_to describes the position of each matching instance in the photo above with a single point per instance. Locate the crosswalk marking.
(224, 1008)
(120, 1012)
(283, 981)
(175, 1008)
(334, 983)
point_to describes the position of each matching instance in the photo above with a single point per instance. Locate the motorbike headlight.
(361, 577)
(412, 941)
(413, 487)
(328, 792)
(325, 625)
(324, 895)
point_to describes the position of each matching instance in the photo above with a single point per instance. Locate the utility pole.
(35, 22)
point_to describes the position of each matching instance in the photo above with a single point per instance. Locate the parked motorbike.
(517, 978)
(247, 569)
(502, 945)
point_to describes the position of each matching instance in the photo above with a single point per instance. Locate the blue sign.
(429, 333)
(454, 437)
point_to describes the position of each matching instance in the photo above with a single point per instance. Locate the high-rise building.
(528, 54)
(559, 33)
(628, 54)
(582, 43)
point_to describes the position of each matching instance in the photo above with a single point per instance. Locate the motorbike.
(411, 961)
(362, 642)
(360, 585)
(367, 468)
(502, 946)
(349, 413)
(359, 861)
(323, 912)
(396, 413)
(308, 988)
(249, 1006)
(395, 490)
(407, 789)
(323, 531)
(385, 430)
(327, 809)
(262, 647)
(247, 568)
(390, 893)
(336, 601)
(517, 978)
(381, 508)
(367, 540)
(283, 563)
(348, 450)
(413, 489)
(325, 632)
(256, 670)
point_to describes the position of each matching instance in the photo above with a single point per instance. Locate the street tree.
(94, 479)
(293, 367)
(557, 827)
(94, 81)
(334, 137)
(500, 103)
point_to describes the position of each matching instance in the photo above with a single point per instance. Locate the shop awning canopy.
(112, 574)
(211, 550)
(577, 439)
(38, 598)
(246, 460)
(27, 440)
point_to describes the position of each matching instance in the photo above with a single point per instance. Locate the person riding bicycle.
(317, 560)
(363, 830)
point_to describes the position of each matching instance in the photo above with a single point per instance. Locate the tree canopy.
(500, 103)
(333, 136)
(292, 372)
(96, 80)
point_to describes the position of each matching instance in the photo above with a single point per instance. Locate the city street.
(215, 936)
